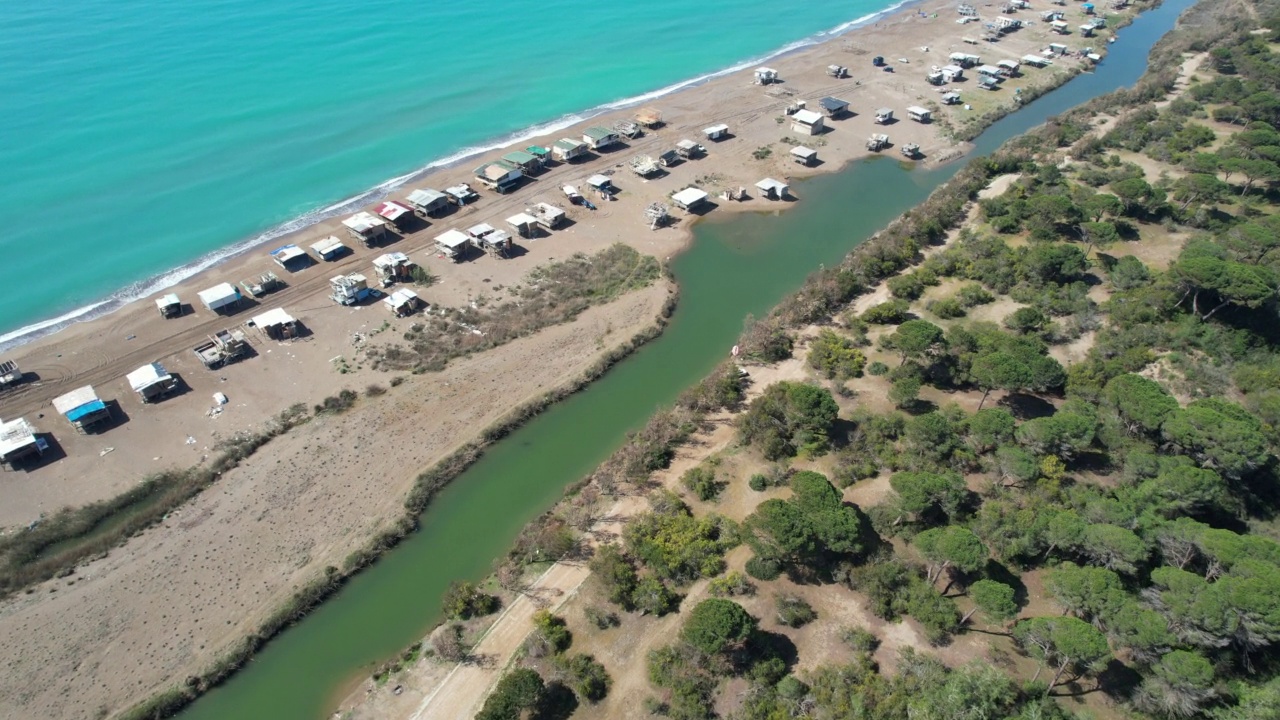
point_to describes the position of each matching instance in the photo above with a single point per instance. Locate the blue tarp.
(86, 409)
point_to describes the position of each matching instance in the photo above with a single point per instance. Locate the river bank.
(475, 274)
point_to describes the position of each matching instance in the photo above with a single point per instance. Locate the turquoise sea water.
(142, 138)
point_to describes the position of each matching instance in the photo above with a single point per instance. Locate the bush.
(1026, 320)
(795, 612)
(336, 405)
(893, 312)
(588, 678)
(553, 630)
(973, 294)
(601, 618)
(734, 583)
(877, 368)
(758, 482)
(790, 418)
(765, 569)
(463, 601)
(517, 694)
(947, 309)
(701, 481)
(860, 639)
(835, 356)
(653, 596)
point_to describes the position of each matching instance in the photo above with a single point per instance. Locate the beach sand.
(164, 605)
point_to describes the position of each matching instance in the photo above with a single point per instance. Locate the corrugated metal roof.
(808, 117)
(273, 317)
(15, 435)
(597, 132)
(146, 376)
(452, 238)
(74, 399)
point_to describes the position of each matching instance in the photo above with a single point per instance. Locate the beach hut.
(392, 267)
(1035, 60)
(490, 239)
(689, 198)
(689, 149)
(223, 297)
(398, 214)
(543, 154)
(877, 142)
(152, 382)
(1087, 8)
(919, 114)
(291, 257)
(644, 165)
(499, 176)
(990, 71)
(1051, 15)
(452, 244)
(910, 150)
(82, 408)
(1004, 23)
(1059, 27)
(935, 77)
(1008, 68)
(403, 302)
(461, 194)
(837, 71)
(965, 60)
(10, 374)
(669, 158)
(366, 227)
(1086, 31)
(951, 98)
(772, 189)
(766, 76)
(716, 132)
(803, 155)
(428, 202)
(329, 248)
(566, 150)
(986, 82)
(833, 107)
(278, 324)
(602, 185)
(807, 122)
(528, 163)
(1058, 49)
(952, 73)
(261, 284)
(525, 225)
(1098, 23)
(548, 216)
(649, 117)
(169, 305)
(884, 116)
(18, 441)
(598, 137)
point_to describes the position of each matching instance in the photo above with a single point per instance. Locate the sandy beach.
(172, 599)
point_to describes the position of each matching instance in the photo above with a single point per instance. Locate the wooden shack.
(525, 225)
(461, 194)
(951, 98)
(567, 150)
(528, 163)
(919, 114)
(82, 408)
(330, 248)
(834, 107)
(649, 117)
(689, 149)
(807, 122)
(428, 202)
(490, 239)
(18, 442)
(152, 382)
(689, 198)
(366, 227)
(291, 257)
(398, 214)
(716, 132)
(452, 244)
(278, 324)
(602, 185)
(548, 216)
(223, 297)
(501, 177)
(403, 302)
(169, 305)
(598, 137)
(803, 155)
(392, 268)
(766, 76)
(772, 189)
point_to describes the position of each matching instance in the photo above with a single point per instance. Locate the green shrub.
(795, 612)
(860, 639)
(733, 583)
(892, 312)
(947, 308)
(758, 482)
(765, 569)
(701, 481)
(835, 356)
(877, 368)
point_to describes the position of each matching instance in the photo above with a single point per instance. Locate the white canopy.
(808, 117)
(74, 399)
(452, 239)
(168, 300)
(219, 295)
(15, 435)
(364, 222)
(689, 197)
(771, 185)
(521, 220)
(801, 151)
(598, 181)
(147, 375)
(327, 246)
(425, 197)
(271, 318)
(390, 260)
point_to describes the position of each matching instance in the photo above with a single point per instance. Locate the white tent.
(148, 375)
(689, 198)
(219, 296)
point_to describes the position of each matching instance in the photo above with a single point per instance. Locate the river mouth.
(734, 267)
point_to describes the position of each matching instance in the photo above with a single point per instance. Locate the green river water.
(741, 265)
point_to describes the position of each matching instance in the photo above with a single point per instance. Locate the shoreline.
(142, 289)
(674, 242)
